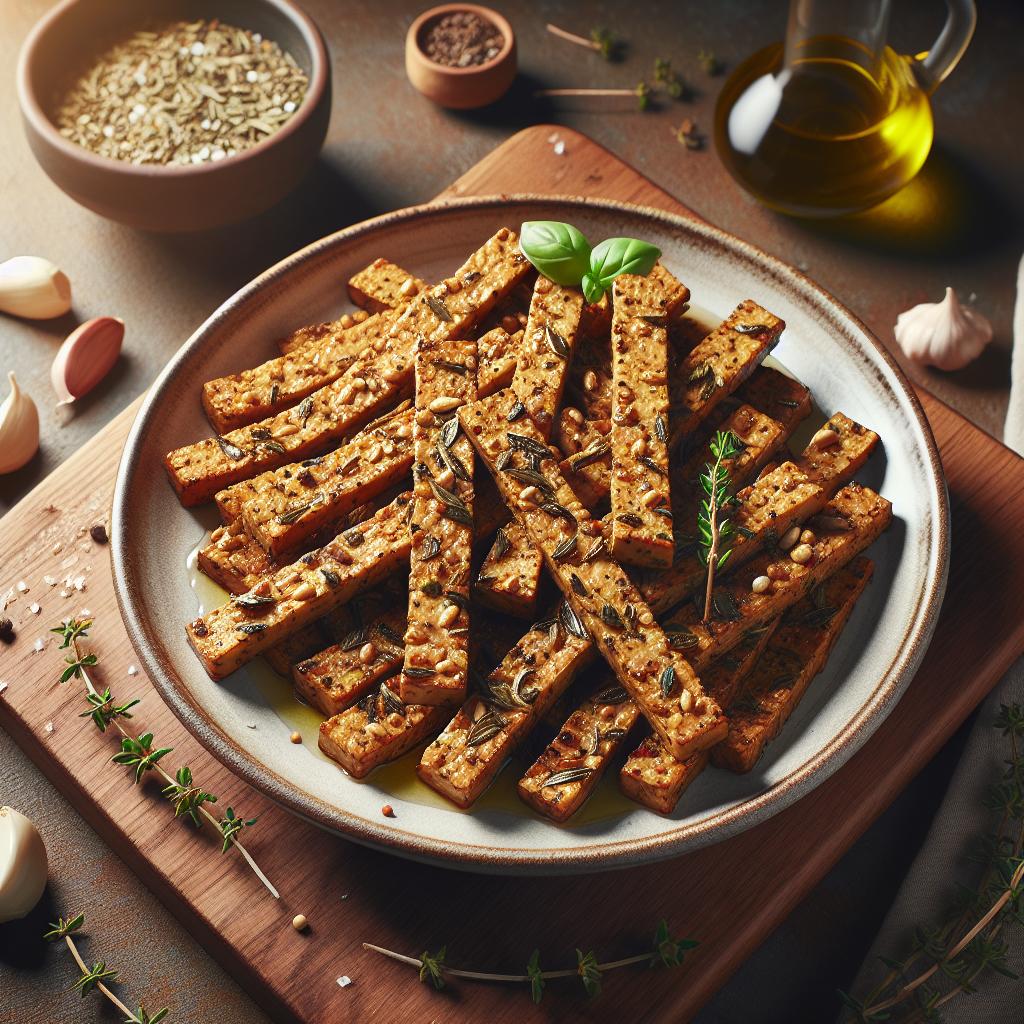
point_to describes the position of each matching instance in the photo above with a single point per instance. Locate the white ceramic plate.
(824, 346)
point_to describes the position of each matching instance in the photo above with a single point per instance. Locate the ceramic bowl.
(170, 198)
(460, 88)
(246, 719)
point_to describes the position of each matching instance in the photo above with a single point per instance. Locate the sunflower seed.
(652, 465)
(305, 409)
(453, 367)
(611, 617)
(661, 428)
(416, 672)
(430, 548)
(391, 701)
(577, 585)
(593, 452)
(524, 443)
(630, 519)
(591, 742)
(565, 549)
(571, 622)
(595, 550)
(485, 728)
(501, 544)
(452, 461)
(567, 776)
(515, 412)
(232, 451)
(333, 579)
(611, 695)
(353, 640)
(252, 600)
(251, 627)
(438, 306)
(667, 680)
(556, 343)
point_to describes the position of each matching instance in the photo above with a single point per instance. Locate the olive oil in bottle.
(833, 131)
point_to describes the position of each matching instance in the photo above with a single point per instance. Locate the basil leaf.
(559, 251)
(616, 256)
(593, 289)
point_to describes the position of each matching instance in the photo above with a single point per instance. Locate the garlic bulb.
(943, 334)
(23, 865)
(33, 287)
(86, 357)
(19, 429)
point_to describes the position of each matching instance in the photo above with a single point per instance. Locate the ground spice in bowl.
(462, 39)
(188, 93)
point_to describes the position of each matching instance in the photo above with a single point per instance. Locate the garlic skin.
(33, 287)
(23, 865)
(86, 357)
(943, 334)
(19, 428)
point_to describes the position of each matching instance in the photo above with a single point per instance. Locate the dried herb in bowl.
(462, 39)
(187, 93)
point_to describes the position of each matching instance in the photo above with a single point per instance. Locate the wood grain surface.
(728, 897)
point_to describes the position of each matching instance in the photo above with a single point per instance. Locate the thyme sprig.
(99, 974)
(600, 40)
(138, 752)
(947, 960)
(433, 967)
(713, 527)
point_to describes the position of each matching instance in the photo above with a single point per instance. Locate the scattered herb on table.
(714, 529)
(139, 753)
(97, 976)
(948, 960)
(562, 253)
(187, 93)
(709, 62)
(600, 40)
(689, 135)
(667, 78)
(433, 967)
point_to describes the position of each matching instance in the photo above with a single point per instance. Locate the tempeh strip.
(561, 779)
(639, 478)
(651, 775)
(497, 351)
(569, 768)
(607, 605)
(850, 522)
(464, 759)
(510, 574)
(368, 388)
(227, 637)
(383, 285)
(510, 582)
(545, 354)
(720, 363)
(255, 394)
(378, 729)
(338, 676)
(288, 506)
(231, 500)
(436, 669)
(788, 494)
(796, 654)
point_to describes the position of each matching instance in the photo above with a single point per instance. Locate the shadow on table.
(952, 208)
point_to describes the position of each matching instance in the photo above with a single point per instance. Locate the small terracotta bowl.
(460, 88)
(170, 198)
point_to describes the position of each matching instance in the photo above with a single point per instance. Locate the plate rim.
(555, 860)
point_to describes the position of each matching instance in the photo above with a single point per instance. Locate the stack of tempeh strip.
(302, 476)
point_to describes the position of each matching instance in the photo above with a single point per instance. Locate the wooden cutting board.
(728, 897)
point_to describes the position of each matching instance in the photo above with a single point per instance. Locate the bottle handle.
(947, 50)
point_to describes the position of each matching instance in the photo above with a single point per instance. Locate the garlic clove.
(19, 428)
(33, 287)
(23, 865)
(943, 334)
(86, 357)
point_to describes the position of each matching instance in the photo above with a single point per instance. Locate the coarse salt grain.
(38, 645)
(559, 148)
(50, 581)
(22, 586)
(344, 981)
(49, 726)
(3, 686)
(84, 612)
(34, 608)
(132, 670)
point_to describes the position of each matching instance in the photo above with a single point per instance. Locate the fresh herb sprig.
(562, 253)
(600, 39)
(97, 976)
(139, 753)
(714, 528)
(947, 960)
(433, 967)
